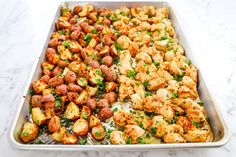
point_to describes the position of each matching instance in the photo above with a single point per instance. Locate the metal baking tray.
(219, 128)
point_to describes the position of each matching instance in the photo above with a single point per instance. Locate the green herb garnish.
(84, 115)
(131, 73)
(175, 95)
(118, 47)
(65, 43)
(154, 130)
(62, 32)
(148, 94)
(94, 31)
(179, 77)
(196, 124)
(146, 84)
(87, 38)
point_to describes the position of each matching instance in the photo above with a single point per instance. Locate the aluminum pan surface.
(221, 133)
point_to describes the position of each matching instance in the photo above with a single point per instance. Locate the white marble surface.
(210, 28)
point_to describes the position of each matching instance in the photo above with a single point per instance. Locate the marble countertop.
(210, 30)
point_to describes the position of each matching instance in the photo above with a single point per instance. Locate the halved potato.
(94, 77)
(54, 125)
(94, 121)
(38, 117)
(80, 127)
(98, 132)
(72, 111)
(59, 135)
(29, 132)
(92, 90)
(69, 138)
(86, 112)
(39, 86)
(83, 97)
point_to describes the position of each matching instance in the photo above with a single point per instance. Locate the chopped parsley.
(115, 109)
(94, 31)
(108, 132)
(131, 73)
(196, 124)
(149, 33)
(82, 141)
(87, 38)
(141, 125)
(116, 60)
(58, 102)
(128, 141)
(141, 141)
(148, 135)
(84, 115)
(98, 133)
(187, 61)
(200, 103)
(148, 94)
(62, 32)
(175, 95)
(122, 13)
(65, 43)
(146, 84)
(179, 77)
(163, 38)
(157, 64)
(153, 130)
(118, 47)
(24, 133)
(31, 92)
(114, 18)
(65, 122)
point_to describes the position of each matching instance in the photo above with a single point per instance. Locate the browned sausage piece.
(48, 98)
(54, 124)
(62, 63)
(61, 89)
(91, 103)
(111, 97)
(53, 42)
(49, 105)
(45, 78)
(36, 101)
(70, 76)
(110, 74)
(103, 103)
(107, 60)
(74, 87)
(56, 71)
(94, 64)
(50, 53)
(75, 35)
(55, 81)
(106, 113)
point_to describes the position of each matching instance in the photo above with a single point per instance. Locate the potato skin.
(85, 112)
(69, 139)
(29, 132)
(80, 127)
(94, 121)
(58, 136)
(36, 101)
(72, 111)
(98, 132)
(38, 117)
(54, 125)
